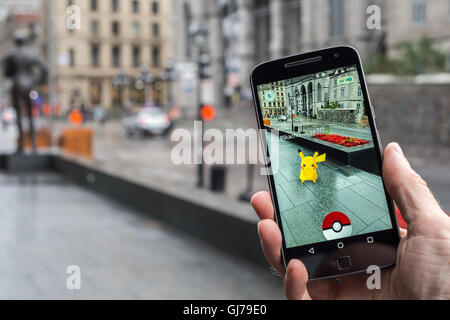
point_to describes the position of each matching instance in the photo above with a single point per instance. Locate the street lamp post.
(292, 111)
(168, 75)
(199, 36)
(297, 97)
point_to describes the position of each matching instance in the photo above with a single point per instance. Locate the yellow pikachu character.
(309, 166)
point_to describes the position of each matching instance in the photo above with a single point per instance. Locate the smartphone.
(324, 169)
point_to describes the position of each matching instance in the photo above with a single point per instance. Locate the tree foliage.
(411, 59)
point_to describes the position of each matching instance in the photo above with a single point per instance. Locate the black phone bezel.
(323, 262)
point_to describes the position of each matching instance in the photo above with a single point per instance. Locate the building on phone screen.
(333, 96)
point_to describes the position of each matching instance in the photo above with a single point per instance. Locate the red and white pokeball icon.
(336, 225)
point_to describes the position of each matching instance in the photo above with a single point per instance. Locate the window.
(116, 56)
(115, 5)
(419, 12)
(136, 56)
(342, 92)
(94, 5)
(335, 81)
(335, 94)
(359, 91)
(135, 29)
(155, 30)
(115, 28)
(337, 19)
(155, 7)
(94, 28)
(135, 6)
(95, 54)
(155, 57)
(71, 58)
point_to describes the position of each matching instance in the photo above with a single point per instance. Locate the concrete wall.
(413, 114)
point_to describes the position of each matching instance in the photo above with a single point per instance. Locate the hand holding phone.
(423, 267)
(328, 194)
(331, 208)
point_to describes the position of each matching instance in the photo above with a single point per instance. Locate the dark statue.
(26, 71)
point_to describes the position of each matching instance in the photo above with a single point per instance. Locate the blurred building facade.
(254, 31)
(410, 20)
(115, 59)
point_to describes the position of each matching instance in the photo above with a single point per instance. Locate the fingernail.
(398, 149)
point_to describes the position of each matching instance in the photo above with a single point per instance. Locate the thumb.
(406, 187)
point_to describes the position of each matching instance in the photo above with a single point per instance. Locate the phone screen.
(328, 182)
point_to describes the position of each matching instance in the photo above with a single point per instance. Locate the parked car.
(148, 121)
(282, 118)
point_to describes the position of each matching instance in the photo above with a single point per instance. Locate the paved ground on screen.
(340, 187)
(47, 224)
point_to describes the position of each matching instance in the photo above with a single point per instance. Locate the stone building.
(252, 31)
(319, 95)
(116, 37)
(273, 99)
(410, 20)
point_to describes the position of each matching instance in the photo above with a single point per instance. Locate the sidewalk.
(48, 223)
(340, 187)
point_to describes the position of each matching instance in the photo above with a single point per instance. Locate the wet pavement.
(339, 187)
(47, 224)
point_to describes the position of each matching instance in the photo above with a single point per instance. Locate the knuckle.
(417, 179)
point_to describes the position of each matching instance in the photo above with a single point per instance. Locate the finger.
(270, 236)
(407, 188)
(296, 280)
(262, 204)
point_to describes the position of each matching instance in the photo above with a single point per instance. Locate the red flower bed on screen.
(341, 140)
